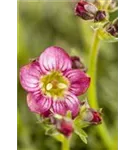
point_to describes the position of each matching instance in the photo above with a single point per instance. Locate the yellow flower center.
(54, 85)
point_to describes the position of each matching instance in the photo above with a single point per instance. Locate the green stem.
(92, 94)
(92, 71)
(65, 143)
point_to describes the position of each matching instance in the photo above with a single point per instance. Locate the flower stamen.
(49, 86)
(62, 86)
(54, 85)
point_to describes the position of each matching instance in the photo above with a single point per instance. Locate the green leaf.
(58, 136)
(83, 139)
(49, 129)
(83, 109)
(80, 123)
(81, 133)
(39, 119)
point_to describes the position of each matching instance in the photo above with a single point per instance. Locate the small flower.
(52, 84)
(92, 116)
(77, 64)
(65, 127)
(85, 10)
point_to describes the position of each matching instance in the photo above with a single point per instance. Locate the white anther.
(49, 86)
(62, 86)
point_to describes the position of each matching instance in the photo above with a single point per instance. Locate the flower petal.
(54, 58)
(29, 76)
(79, 81)
(59, 107)
(38, 103)
(72, 103)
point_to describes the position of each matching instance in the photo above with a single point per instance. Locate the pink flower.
(52, 84)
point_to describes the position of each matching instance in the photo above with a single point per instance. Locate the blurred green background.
(43, 24)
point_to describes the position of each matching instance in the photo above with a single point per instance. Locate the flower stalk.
(92, 94)
(65, 143)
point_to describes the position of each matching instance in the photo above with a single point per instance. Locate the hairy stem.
(92, 94)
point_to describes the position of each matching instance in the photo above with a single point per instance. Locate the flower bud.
(100, 15)
(112, 28)
(77, 64)
(65, 127)
(85, 10)
(92, 116)
(96, 117)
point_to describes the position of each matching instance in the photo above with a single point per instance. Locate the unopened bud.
(77, 64)
(92, 116)
(112, 28)
(85, 10)
(65, 127)
(100, 16)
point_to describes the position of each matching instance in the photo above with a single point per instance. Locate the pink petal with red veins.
(72, 103)
(79, 81)
(29, 76)
(54, 58)
(59, 107)
(38, 103)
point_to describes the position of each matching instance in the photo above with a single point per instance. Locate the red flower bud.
(92, 116)
(96, 117)
(85, 10)
(65, 127)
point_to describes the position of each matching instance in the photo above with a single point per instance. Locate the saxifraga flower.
(52, 84)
